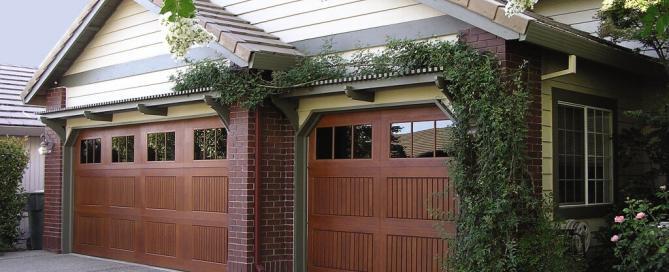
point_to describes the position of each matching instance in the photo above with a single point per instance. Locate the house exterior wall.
(127, 58)
(131, 33)
(299, 20)
(33, 177)
(579, 14)
(630, 91)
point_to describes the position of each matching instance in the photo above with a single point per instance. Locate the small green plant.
(14, 159)
(642, 235)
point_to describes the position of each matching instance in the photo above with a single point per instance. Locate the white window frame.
(586, 154)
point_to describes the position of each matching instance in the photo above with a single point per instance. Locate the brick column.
(277, 191)
(276, 195)
(511, 54)
(53, 179)
(241, 142)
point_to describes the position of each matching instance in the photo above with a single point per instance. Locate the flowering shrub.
(182, 33)
(518, 6)
(642, 239)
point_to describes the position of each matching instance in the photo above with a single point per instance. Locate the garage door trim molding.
(67, 192)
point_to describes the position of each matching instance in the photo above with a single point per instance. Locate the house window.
(123, 149)
(584, 149)
(160, 146)
(344, 142)
(423, 139)
(209, 144)
(90, 151)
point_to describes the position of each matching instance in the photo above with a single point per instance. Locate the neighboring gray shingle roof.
(12, 110)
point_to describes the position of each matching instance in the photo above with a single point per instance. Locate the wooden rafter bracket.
(151, 110)
(359, 95)
(289, 109)
(222, 111)
(57, 125)
(442, 84)
(106, 117)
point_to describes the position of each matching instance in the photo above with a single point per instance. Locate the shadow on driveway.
(42, 261)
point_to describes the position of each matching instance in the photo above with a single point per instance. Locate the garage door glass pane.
(209, 144)
(160, 146)
(444, 134)
(324, 143)
(423, 139)
(342, 148)
(362, 141)
(123, 149)
(90, 151)
(400, 140)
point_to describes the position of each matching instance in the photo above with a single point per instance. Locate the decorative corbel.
(289, 108)
(57, 125)
(222, 111)
(359, 95)
(106, 117)
(151, 110)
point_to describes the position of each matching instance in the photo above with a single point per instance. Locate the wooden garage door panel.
(169, 213)
(375, 214)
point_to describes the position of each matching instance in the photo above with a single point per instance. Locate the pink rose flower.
(619, 219)
(640, 216)
(615, 238)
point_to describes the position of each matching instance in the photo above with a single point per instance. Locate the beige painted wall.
(293, 20)
(131, 33)
(390, 95)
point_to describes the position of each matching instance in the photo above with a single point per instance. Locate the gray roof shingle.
(12, 110)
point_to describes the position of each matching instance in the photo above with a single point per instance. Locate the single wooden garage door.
(373, 177)
(155, 194)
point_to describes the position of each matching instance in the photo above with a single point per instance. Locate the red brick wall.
(277, 191)
(53, 179)
(511, 54)
(276, 231)
(241, 142)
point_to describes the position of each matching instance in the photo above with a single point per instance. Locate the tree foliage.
(14, 160)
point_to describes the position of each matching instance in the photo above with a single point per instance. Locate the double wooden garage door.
(376, 181)
(155, 194)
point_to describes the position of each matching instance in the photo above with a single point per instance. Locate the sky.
(30, 28)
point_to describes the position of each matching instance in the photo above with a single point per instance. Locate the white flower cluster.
(518, 6)
(182, 34)
(640, 5)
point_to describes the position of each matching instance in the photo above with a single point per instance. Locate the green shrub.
(13, 161)
(641, 243)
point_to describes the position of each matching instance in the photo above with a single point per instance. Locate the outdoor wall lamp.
(45, 146)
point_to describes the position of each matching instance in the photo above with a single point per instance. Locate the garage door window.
(344, 142)
(90, 151)
(123, 149)
(423, 139)
(209, 144)
(160, 146)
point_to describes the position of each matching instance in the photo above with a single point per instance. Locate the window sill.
(583, 211)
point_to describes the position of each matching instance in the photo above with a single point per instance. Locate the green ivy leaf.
(178, 8)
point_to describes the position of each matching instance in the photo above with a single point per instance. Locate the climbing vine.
(502, 224)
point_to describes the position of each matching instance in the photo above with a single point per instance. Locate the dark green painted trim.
(137, 67)
(68, 192)
(222, 110)
(301, 174)
(288, 107)
(57, 125)
(377, 36)
(581, 212)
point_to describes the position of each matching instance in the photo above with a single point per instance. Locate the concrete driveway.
(42, 261)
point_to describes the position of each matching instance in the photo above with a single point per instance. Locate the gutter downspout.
(258, 176)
